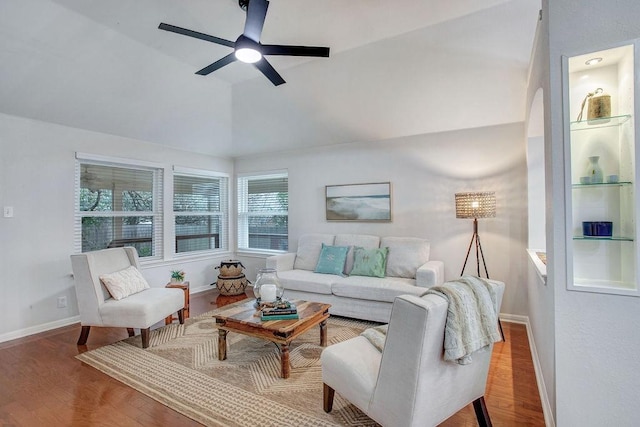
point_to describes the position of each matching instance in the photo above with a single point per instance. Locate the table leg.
(323, 333)
(222, 344)
(284, 360)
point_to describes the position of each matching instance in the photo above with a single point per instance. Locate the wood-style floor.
(42, 384)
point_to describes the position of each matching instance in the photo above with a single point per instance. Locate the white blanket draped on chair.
(472, 318)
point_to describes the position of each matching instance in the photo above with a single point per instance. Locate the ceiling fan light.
(248, 55)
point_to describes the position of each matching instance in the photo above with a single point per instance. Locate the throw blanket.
(376, 335)
(472, 317)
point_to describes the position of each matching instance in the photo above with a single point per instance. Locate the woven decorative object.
(232, 285)
(231, 280)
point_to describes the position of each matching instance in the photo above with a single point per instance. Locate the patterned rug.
(181, 370)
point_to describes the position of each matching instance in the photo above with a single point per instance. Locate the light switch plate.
(8, 211)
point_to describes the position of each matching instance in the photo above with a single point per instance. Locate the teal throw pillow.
(332, 259)
(369, 262)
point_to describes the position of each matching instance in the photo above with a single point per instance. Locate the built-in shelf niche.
(605, 264)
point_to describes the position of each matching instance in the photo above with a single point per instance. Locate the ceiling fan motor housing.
(243, 4)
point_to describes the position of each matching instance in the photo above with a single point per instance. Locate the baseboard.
(21, 333)
(544, 397)
(514, 318)
(200, 289)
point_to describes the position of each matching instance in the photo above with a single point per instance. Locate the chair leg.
(131, 332)
(145, 337)
(181, 316)
(84, 334)
(328, 398)
(482, 414)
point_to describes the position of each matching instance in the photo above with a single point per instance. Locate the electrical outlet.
(62, 302)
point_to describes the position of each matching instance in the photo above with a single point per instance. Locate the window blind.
(118, 205)
(200, 205)
(263, 218)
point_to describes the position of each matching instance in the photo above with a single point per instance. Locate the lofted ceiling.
(397, 68)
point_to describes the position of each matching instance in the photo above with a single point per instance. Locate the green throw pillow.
(369, 262)
(332, 259)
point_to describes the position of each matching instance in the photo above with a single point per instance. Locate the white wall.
(425, 171)
(540, 292)
(37, 180)
(597, 338)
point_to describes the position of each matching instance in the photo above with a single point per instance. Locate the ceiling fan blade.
(270, 72)
(195, 34)
(218, 64)
(256, 14)
(275, 49)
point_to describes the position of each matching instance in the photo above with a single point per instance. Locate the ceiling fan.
(247, 48)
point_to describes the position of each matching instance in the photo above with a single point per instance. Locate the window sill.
(539, 266)
(259, 253)
(185, 257)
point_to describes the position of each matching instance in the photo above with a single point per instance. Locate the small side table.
(185, 287)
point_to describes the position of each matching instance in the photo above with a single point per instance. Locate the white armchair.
(97, 307)
(409, 383)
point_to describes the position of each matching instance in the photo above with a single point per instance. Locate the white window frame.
(223, 214)
(243, 206)
(157, 191)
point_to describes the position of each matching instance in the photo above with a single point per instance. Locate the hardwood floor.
(42, 384)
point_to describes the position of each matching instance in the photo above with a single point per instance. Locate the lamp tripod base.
(479, 254)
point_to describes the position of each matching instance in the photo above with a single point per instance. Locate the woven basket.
(231, 285)
(231, 268)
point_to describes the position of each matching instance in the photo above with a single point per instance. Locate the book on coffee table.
(287, 308)
(279, 316)
(288, 311)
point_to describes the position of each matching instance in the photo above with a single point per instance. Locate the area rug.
(181, 370)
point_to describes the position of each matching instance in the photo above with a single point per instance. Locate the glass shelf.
(600, 123)
(611, 238)
(603, 184)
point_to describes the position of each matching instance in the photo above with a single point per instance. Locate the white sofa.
(408, 271)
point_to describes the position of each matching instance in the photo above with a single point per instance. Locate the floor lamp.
(477, 205)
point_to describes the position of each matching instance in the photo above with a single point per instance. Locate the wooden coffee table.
(244, 318)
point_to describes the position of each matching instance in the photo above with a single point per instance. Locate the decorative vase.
(595, 171)
(273, 290)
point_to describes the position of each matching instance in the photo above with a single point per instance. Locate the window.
(118, 203)
(200, 205)
(263, 218)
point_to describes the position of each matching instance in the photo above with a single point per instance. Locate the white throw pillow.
(125, 282)
(406, 254)
(309, 247)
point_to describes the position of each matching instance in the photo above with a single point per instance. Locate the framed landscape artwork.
(359, 202)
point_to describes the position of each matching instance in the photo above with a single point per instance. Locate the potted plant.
(177, 276)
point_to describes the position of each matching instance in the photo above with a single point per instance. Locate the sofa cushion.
(363, 240)
(332, 259)
(406, 254)
(374, 288)
(125, 282)
(309, 246)
(369, 262)
(306, 281)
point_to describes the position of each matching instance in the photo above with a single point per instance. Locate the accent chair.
(408, 383)
(139, 310)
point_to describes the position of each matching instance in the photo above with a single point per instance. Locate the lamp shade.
(476, 205)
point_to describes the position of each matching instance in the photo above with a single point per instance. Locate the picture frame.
(369, 202)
